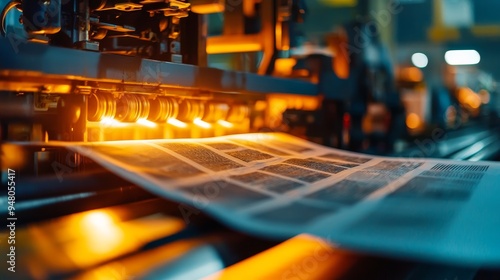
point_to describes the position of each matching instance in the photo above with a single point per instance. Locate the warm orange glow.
(98, 219)
(260, 105)
(87, 240)
(283, 66)
(13, 156)
(199, 122)
(147, 123)
(469, 98)
(282, 102)
(238, 113)
(474, 101)
(215, 111)
(278, 103)
(177, 123)
(111, 122)
(463, 93)
(233, 44)
(301, 73)
(302, 257)
(412, 74)
(278, 31)
(207, 6)
(103, 234)
(241, 47)
(225, 123)
(413, 121)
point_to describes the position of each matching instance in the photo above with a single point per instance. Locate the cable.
(11, 5)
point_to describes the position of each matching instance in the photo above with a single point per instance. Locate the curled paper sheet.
(278, 186)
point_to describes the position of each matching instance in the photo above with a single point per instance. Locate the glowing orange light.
(107, 121)
(94, 237)
(473, 100)
(301, 255)
(176, 122)
(284, 66)
(225, 123)
(260, 105)
(199, 122)
(102, 232)
(233, 44)
(468, 97)
(463, 94)
(147, 123)
(412, 74)
(248, 47)
(208, 7)
(97, 219)
(412, 121)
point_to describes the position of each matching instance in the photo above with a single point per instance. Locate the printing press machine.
(89, 71)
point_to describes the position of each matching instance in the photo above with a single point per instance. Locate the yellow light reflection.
(97, 219)
(468, 97)
(243, 47)
(302, 257)
(107, 121)
(199, 122)
(12, 156)
(147, 123)
(101, 232)
(284, 66)
(413, 121)
(177, 123)
(225, 123)
(260, 105)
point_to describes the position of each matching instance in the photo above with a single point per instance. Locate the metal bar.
(25, 58)
(41, 209)
(51, 186)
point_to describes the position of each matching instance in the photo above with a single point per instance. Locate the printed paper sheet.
(277, 186)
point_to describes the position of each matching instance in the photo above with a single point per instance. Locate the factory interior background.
(249, 139)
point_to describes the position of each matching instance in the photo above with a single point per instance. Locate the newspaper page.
(277, 186)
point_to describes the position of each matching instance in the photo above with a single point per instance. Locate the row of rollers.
(132, 107)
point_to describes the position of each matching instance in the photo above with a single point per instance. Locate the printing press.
(110, 70)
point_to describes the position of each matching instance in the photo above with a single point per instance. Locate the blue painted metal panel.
(46, 59)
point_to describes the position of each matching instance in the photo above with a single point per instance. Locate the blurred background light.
(462, 57)
(420, 60)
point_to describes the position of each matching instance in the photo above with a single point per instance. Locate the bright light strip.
(147, 123)
(112, 122)
(420, 60)
(462, 57)
(225, 123)
(199, 122)
(176, 122)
